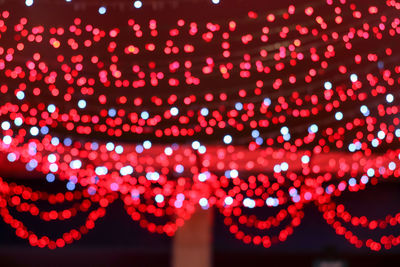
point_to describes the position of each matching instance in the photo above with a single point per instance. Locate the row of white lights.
(103, 9)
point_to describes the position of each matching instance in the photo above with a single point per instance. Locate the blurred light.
(50, 177)
(28, 2)
(174, 111)
(389, 98)
(227, 139)
(159, 198)
(145, 115)
(353, 77)
(102, 10)
(5, 125)
(328, 85)
(138, 4)
(82, 104)
(339, 116)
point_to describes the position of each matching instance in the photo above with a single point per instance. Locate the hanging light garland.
(266, 110)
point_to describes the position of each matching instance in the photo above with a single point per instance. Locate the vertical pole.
(192, 242)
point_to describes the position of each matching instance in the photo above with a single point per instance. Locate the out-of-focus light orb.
(138, 4)
(305, 159)
(51, 108)
(196, 145)
(102, 10)
(159, 198)
(119, 149)
(227, 139)
(20, 95)
(204, 112)
(5, 125)
(145, 115)
(203, 203)
(313, 129)
(339, 116)
(202, 149)
(28, 2)
(284, 130)
(249, 203)
(168, 151)
(353, 77)
(228, 201)
(328, 85)
(82, 104)
(215, 2)
(34, 131)
(18, 121)
(147, 144)
(174, 111)
(389, 98)
(50, 177)
(238, 106)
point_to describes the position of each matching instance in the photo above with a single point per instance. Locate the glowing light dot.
(227, 139)
(353, 77)
(392, 166)
(203, 203)
(119, 149)
(305, 159)
(18, 121)
(112, 112)
(179, 168)
(138, 4)
(228, 201)
(215, 2)
(51, 108)
(328, 85)
(204, 176)
(20, 95)
(249, 203)
(82, 104)
(284, 166)
(50, 177)
(110, 146)
(5, 125)
(204, 112)
(313, 128)
(267, 101)
(101, 170)
(34, 131)
(159, 198)
(28, 2)
(234, 173)
(70, 186)
(381, 135)
(202, 149)
(364, 110)
(238, 106)
(255, 133)
(196, 145)
(352, 181)
(11, 157)
(174, 111)
(339, 116)
(389, 98)
(168, 151)
(284, 130)
(51, 158)
(147, 144)
(145, 115)
(371, 172)
(102, 10)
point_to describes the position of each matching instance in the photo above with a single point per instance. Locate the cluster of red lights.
(305, 97)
